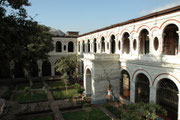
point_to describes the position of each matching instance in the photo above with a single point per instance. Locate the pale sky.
(88, 15)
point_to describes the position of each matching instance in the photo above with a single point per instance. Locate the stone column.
(152, 97)
(40, 68)
(132, 92)
(178, 115)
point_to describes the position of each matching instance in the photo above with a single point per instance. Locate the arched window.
(70, 47)
(88, 46)
(102, 45)
(113, 44)
(83, 46)
(95, 45)
(125, 85)
(46, 68)
(167, 97)
(142, 88)
(170, 42)
(58, 46)
(144, 42)
(126, 43)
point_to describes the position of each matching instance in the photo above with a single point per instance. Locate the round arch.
(142, 71)
(70, 46)
(168, 22)
(142, 88)
(143, 27)
(88, 82)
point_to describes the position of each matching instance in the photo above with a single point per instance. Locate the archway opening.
(113, 44)
(95, 45)
(126, 44)
(18, 70)
(142, 88)
(70, 47)
(58, 46)
(171, 38)
(88, 82)
(79, 46)
(144, 42)
(167, 97)
(83, 45)
(102, 45)
(125, 85)
(88, 46)
(34, 69)
(46, 68)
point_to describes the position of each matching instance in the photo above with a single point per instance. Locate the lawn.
(95, 114)
(41, 117)
(61, 94)
(34, 96)
(36, 85)
(58, 84)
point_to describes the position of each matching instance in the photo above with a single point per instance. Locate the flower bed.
(61, 94)
(30, 97)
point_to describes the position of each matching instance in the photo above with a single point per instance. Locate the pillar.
(152, 97)
(40, 68)
(132, 92)
(178, 115)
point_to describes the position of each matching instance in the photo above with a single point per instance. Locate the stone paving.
(15, 108)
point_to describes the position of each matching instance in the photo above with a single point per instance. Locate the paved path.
(53, 105)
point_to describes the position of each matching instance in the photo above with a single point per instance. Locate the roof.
(152, 15)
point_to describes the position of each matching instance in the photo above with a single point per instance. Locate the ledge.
(100, 56)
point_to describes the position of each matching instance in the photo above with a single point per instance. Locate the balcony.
(101, 56)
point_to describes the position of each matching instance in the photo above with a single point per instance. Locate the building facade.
(139, 59)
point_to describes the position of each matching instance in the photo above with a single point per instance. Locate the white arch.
(166, 76)
(145, 73)
(130, 75)
(168, 23)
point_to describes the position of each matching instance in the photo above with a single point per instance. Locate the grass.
(34, 96)
(95, 114)
(42, 117)
(57, 84)
(36, 85)
(114, 110)
(61, 94)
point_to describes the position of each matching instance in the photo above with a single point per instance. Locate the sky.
(88, 15)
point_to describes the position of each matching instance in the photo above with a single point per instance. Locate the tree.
(22, 39)
(68, 64)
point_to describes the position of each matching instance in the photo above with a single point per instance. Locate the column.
(52, 69)
(151, 44)
(178, 115)
(152, 97)
(40, 68)
(132, 92)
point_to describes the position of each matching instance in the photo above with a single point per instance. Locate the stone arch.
(70, 46)
(167, 89)
(88, 82)
(141, 28)
(95, 45)
(79, 46)
(168, 22)
(83, 46)
(46, 68)
(58, 46)
(142, 88)
(144, 42)
(113, 43)
(102, 44)
(126, 43)
(171, 39)
(125, 82)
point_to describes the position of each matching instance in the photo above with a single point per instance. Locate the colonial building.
(139, 59)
